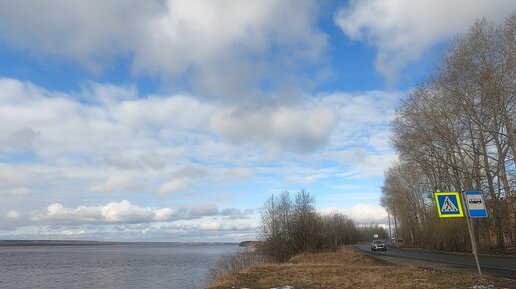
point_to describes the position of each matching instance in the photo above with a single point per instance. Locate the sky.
(171, 120)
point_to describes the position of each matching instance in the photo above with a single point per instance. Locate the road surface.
(500, 265)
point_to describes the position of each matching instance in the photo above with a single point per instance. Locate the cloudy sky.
(175, 120)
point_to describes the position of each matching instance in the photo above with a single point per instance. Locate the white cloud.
(403, 30)
(234, 213)
(136, 160)
(175, 39)
(361, 139)
(358, 195)
(117, 184)
(204, 210)
(360, 114)
(362, 213)
(114, 212)
(238, 173)
(363, 163)
(124, 212)
(304, 129)
(163, 214)
(13, 182)
(122, 130)
(22, 139)
(175, 112)
(13, 215)
(85, 32)
(173, 186)
(139, 145)
(227, 225)
(11, 177)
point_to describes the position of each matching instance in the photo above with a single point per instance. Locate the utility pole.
(395, 226)
(389, 218)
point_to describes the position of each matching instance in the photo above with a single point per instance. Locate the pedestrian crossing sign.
(449, 205)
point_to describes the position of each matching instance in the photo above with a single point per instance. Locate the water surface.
(114, 266)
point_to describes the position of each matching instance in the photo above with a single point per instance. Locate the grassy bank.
(349, 269)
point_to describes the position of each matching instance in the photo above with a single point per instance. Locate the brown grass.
(348, 269)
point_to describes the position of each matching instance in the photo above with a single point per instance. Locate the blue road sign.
(448, 205)
(475, 204)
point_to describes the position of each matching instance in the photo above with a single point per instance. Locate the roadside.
(349, 268)
(425, 264)
(498, 265)
(510, 252)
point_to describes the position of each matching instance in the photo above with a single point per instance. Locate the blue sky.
(176, 120)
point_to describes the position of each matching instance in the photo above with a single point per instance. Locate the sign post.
(472, 236)
(449, 205)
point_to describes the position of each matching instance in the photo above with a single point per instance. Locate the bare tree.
(456, 132)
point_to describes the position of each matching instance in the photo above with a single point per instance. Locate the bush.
(232, 263)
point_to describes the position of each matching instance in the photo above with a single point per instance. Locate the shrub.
(232, 263)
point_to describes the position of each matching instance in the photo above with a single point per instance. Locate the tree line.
(456, 132)
(291, 225)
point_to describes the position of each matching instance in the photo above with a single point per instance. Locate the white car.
(378, 245)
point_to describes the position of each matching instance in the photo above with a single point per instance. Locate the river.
(113, 266)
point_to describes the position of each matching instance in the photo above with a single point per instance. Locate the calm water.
(120, 266)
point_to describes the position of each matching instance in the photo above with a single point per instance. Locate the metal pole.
(395, 227)
(471, 235)
(389, 218)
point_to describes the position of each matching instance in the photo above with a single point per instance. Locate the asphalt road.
(500, 265)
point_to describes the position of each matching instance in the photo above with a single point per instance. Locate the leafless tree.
(456, 132)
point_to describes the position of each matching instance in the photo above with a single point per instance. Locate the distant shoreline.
(26, 243)
(23, 243)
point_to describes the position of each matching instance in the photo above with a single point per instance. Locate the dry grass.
(233, 263)
(348, 269)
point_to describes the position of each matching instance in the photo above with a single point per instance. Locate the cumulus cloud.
(22, 139)
(362, 213)
(114, 212)
(112, 144)
(157, 111)
(137, 124)
(163, 214)
(124, 212)
(204, 210)
(403, 30)
(174, 39)
(303, 129)
(226, 225)
(12, 215)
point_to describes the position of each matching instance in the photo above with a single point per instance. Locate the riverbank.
(348, 268)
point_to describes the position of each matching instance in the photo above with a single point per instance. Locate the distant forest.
(290, 225)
